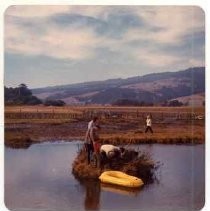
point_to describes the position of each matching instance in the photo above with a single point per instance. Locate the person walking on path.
(148, 124)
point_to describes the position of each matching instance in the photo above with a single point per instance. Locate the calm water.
(40, 178)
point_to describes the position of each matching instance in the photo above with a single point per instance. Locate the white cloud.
(196, 63)
(64, 43)
(153, 59)
(77, 43)
(174, 23)
(33, 11)
(72, 44)
(81, 43)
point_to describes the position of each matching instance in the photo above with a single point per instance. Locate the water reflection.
(92, 194)
(40, 178)
(92, 197)
(120, 190)
(93, 191)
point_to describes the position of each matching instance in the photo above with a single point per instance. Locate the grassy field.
(119, 124)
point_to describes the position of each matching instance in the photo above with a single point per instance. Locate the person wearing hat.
(148, 124)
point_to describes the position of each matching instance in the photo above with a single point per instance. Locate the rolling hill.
(152, 88)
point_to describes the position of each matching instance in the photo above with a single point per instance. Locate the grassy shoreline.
(140, 165)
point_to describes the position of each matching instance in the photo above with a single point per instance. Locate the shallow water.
(40, 178)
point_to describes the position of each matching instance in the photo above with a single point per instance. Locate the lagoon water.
(40, 178)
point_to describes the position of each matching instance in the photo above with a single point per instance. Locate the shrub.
(54, 103)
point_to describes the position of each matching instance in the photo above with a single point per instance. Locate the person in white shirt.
(92, 122)
(112, 151)
(88, 138)
(148, 124)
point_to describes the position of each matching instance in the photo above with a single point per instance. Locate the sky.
(56, 45)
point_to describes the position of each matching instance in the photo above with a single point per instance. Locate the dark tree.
(54, 103)
(175, 103)
(20, 95)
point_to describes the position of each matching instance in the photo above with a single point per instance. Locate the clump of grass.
(134, 163)
(82, 170)
(143, 167)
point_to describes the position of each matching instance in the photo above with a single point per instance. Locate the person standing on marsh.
(148, 124)
(94, 135)
(93, 122)
(88, 139)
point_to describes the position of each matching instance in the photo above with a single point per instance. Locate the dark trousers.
(89, 150)
(148, 128)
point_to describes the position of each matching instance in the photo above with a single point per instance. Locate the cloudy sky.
(54, 45)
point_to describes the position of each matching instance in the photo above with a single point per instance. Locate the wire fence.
(156, 116)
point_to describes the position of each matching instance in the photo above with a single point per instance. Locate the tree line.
(129, 102)
(22, 95)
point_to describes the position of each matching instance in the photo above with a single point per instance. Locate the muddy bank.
(22, 141)
(19, 142)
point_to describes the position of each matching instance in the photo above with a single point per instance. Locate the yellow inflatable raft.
(120, 178)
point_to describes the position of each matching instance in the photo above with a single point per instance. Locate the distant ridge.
(150, 88)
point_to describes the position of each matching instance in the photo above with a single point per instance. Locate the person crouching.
(110, 152)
